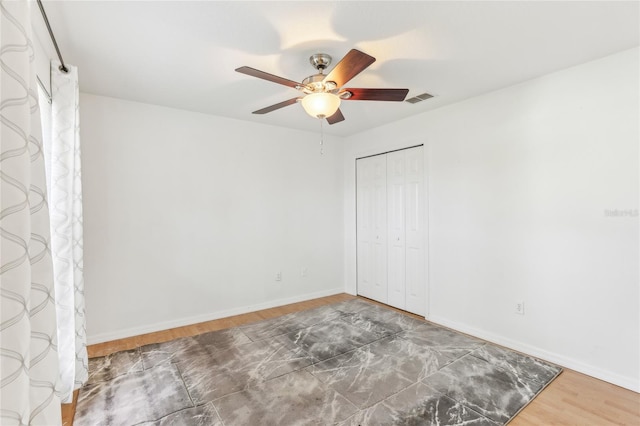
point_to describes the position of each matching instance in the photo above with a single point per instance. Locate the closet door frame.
(424, 218)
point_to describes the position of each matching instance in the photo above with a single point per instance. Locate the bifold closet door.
(390, 229)
(405, 207)
(371, 209)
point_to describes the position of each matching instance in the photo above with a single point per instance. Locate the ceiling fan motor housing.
(316, 83)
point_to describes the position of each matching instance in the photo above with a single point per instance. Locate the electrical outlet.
(520, 308)
(304, 272)
(279, 276)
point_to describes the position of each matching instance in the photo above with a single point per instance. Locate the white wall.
(188, 217)
(519, 181)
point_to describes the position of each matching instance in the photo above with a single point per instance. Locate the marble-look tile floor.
(350, 363)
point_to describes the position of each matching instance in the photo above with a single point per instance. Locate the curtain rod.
(62, 67)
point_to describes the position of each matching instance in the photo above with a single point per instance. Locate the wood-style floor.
(571, 399)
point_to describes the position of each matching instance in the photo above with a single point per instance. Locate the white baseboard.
(589, 370)
(165, 325)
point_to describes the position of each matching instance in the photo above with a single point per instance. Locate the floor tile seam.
(111, 355)
(471, 350)
(334, 369)
(449, 361)
(253, 384)
(355, 349)
(389, 396)
(161, 362)
(213, 401)
(262, 338)
(460, 358)
(341, 394)
(395, 356)
(511, 372)
(240, 327)
(382, 336)
(542, 383)
(312, 365)
(524, 354)
(168, 414)
(311, 356)
(382, 402)
(93, 383)
(276, 377)
(277, 346)
(391, 332)
(186, 388)
(292, 315)
(217, 412)
(318, 360)
(534, 396)
(169, 359)
(463, 404)
(143, 362)
(241, 331)
(149, 397)
(270, 358)
(277, 335)
(295, 331)
(395, 369)
(469, 407)
(129, 371)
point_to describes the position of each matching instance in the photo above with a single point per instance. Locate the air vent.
(419, 98)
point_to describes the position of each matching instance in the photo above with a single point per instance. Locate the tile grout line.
(217, 412)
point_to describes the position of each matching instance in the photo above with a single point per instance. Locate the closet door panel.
(396, 232)
(379, 240)
(414, 231)
(364, 217)
(372, 228)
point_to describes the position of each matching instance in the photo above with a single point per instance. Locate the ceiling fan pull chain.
(321, 137)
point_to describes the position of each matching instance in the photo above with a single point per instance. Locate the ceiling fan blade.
(336, 117)
(276, 106)
(266, 76)
(351, 65)
(394, 95)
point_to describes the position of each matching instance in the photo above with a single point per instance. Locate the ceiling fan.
(323, 93)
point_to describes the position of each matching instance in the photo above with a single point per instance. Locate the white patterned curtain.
(62, 149)
(28, 336)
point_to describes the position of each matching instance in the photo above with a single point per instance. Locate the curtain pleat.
(65, 204)
(28, 332)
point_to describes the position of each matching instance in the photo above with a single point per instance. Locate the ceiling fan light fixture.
(321, 105)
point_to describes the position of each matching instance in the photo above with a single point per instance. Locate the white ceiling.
(183, 54)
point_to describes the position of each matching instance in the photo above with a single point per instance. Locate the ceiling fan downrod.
(320, 61)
